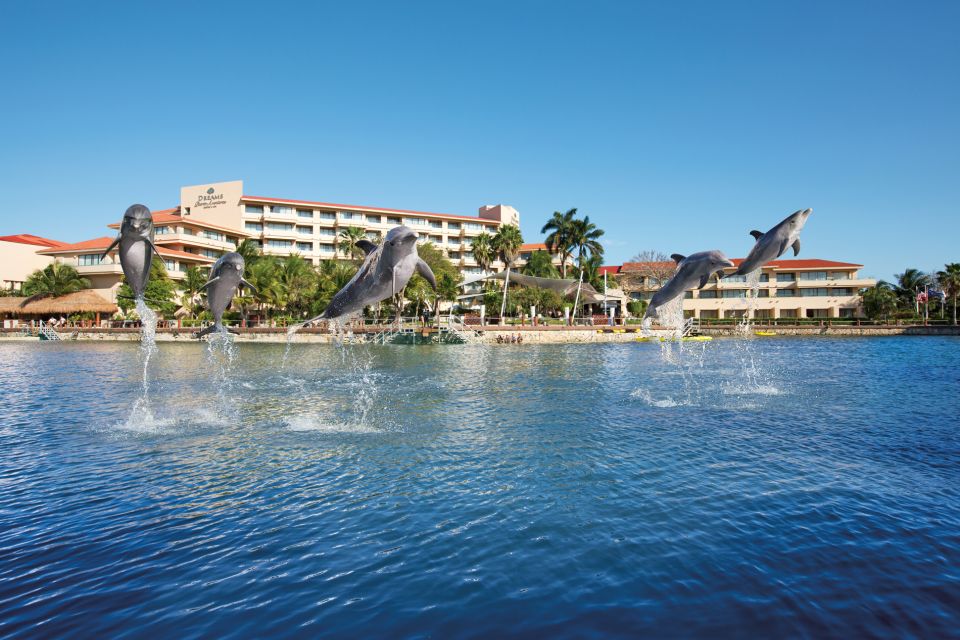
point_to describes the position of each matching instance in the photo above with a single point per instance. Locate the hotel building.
(214, 218)
(808, 288)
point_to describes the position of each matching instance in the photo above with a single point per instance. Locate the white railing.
(456, 326)
(47, 333)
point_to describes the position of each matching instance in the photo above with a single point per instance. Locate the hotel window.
(373, 236)
(170, 265)
(327, 215)
(280, 244)
(279, 226)
(253, 227)
(711, 293)
(415, 222)
(88, 260)
(436, 224)
(163, 230)
(763, 293)
(306, 247)
(815, 292)
(436, 239)
(735, 293)
(786, 277)
(453, 240)
(454, 255)
(328, 233)
(393, 220)
(210, 253)
(305, 213)
(373, 219)
(453, 226)
(785, 293)
(213, 235)
(813, 275)
(253, 208)
(281, 210)
(687, 294)
(473, 226)
(326, 248)
(182, 267)
(524, 256)
(468, 255)
(735, 279)
(839, 275)
(764, 277)
(188, 231)
(351, 215)
(788, 313)
(305, 231)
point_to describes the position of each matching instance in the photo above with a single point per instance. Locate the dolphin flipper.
(704, 280)
(249, 286)
(756, 234)
(367, 246)
(154, 247)
(424, 270)
(796, 247)
(207, 284)
(115, 242)
(783, 247)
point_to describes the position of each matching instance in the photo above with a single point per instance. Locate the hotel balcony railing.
(194, 240)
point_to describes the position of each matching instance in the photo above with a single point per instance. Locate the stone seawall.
(489, 335)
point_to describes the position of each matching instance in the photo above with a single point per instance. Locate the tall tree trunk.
(954, 309)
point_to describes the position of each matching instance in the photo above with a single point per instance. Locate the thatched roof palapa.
(78, 302)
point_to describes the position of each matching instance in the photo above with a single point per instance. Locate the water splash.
(141, 411)
(221, 354)
(745, 326)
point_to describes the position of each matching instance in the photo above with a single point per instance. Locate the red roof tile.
(807, 263)
(29, 238)
(612, 270)
(536, 246)
(357, 207)
(100, 244)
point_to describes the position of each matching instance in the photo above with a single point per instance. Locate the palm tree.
(584, 237)
(507, 242)
(262, 274)
(950, 281)
(483, 251)
(558, 238)
(879, 301)
(250, 251)
(540, 265)
(194, 280)
(54, 280)
(909, 284)
(296, 283)
(347, 243)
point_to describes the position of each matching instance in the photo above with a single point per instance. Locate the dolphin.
(136, 243)
(225, 275)
(773, 243)
(384, 272)
(692, 270)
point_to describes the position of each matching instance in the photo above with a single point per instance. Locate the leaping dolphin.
(692, 270)
(225, 275)
(772, 244)
(136, 243)
(384, 272)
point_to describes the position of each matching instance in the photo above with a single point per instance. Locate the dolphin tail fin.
(115, 242)
(233, 331)
(207, 331)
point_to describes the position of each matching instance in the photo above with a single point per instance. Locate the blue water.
(771, 487)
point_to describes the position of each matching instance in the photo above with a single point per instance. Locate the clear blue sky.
(675, 126)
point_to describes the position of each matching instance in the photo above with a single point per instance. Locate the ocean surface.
(765, 487)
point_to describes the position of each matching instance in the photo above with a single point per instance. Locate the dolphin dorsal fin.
(756, 234)
(676, 257)
(366, 245)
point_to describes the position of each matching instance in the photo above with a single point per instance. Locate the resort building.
(19, 258)
(527, 250)
(808, 288)
(214, 218)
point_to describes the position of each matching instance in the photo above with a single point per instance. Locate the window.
(280, 244)
(164, 230)
(415, 222)
(182, 267)
(210, 253)
(188, 231)
(328, 233)
(351, 215)
(281, 210)
(373, 236)
(525, 256)
(687, 295)
(710, 314)
(848, 313)
(436, 239)
(735, 279)
(304, 213)
(785, 293)
(839, 275)
(170, 265)
(452, 240)
(473, 226)
(841, 291)
(305, 231)
(436, 224)
(279, 226)
(786, 277)
(328, 215)
(393, 220)
(213, 235)
(454, 255)
(306, 247)
(453, 226)
(326, 248)
(808, 293)
(735, 293)
(253, 227)
(468, 255)
(788, 313)
(764, 277)
(253, 208)
(763, 293)
(813, 275)
(708, 293)
(88, 260)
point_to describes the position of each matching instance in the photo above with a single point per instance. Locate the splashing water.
(670, 317)
(221, 353)
(745, 326)
(141, 411)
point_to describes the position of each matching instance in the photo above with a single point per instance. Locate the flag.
(934, 293)
(922, 297)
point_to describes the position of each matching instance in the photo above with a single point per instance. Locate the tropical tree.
(160, 293)
(507, 242)
(55, 279)
(585, 239)
(909, 284)
(262, 275)
(540, 265)
(483, 251)
(296, 283)
(191, 285)
(559, 236)
(250, 251)
(591, 271)
(347, 243)
(332, 275)
(879, 301)
(655, 266)
(949, 279)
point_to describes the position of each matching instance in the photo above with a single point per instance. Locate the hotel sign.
(209, 199)
(217, 203)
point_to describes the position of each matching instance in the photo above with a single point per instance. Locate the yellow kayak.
(765, 333)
